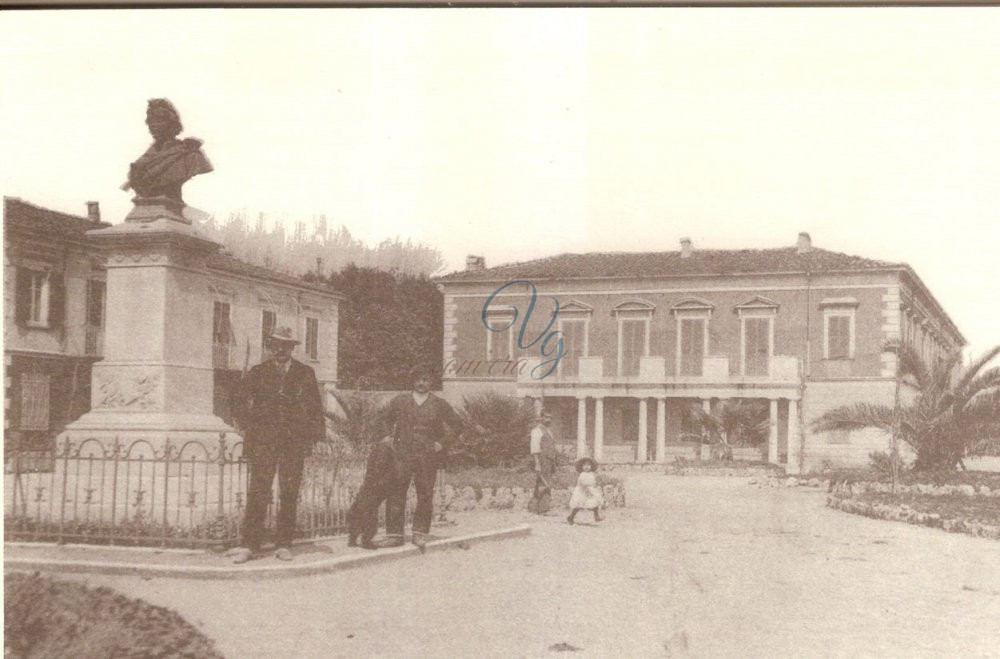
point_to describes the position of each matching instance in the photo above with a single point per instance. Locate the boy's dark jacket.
(284, 415)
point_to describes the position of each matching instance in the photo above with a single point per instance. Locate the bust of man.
(169, 162)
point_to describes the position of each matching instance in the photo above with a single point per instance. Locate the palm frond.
(973, 369)
(855, 417)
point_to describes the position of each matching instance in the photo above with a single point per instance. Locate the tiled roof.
(667, 264)
(227, 263)
(19, 214)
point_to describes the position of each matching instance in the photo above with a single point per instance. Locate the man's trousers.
(262, 469)
(420, 468)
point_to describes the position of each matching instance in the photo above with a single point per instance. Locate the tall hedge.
(388, 323)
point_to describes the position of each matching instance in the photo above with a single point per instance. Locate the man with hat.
(543, 453)
(416, 420)
(280, 413)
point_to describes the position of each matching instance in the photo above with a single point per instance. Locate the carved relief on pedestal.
(122, 390)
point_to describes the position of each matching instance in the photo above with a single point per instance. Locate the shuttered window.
(692, 345)
(838, 337)
(573, 342)
(633, 345)
(34, 401)
(756, 346)
(312, 338)
(268, 319)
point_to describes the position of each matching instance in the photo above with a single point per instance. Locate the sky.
(517, 134)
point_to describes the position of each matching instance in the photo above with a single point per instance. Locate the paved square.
(703, 567)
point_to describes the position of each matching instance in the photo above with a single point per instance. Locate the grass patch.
(46, 617)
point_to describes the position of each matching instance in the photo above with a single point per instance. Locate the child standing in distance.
(586, 495)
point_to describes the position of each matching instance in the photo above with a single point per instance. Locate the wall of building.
(821, 449)
(799, 318)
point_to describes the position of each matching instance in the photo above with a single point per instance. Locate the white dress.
(586, 494)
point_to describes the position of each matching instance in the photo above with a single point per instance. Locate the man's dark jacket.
(283, 412)
(417, 427)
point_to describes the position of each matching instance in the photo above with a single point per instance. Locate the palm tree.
(734, 421)
(954, 412)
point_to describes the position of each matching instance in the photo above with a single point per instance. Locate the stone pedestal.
(156, 378)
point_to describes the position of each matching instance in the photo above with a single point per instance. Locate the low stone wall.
(860, 487)
(775, 481)
(459, 499)
(630, 467)
(904, 513)
(739, 471)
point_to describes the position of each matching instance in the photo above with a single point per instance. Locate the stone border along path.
(247, 571)
(903, 513)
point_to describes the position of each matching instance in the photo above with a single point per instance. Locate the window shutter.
(23, 296)
(57, 299)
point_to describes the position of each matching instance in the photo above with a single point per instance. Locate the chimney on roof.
(474, 263)
(94, 211)
(686, 248)
(805, 244)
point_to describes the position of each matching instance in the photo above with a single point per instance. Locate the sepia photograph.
(501, 332)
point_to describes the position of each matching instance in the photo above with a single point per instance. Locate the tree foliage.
(388, 324)
(734, 422)
(954, 412)
(507, 422)
(317, 247)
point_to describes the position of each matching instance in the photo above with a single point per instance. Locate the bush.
(45, 617)
(507, 421)
(881, 463)
(362, 421)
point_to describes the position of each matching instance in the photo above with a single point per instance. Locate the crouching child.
(381, 471)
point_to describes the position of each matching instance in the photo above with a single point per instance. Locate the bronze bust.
(169, 162)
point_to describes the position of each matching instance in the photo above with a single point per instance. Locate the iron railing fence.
(175, 495)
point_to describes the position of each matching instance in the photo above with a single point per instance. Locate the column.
(706, 404)
(599, 428)
(581, 427)
(794, 439)
(772, 433)
(537, 401)
(641, 448)
(661, 429)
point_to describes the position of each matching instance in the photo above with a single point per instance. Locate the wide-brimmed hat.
(283, 334)
(581, 461)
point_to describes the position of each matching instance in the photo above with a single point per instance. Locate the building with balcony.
(55, 290)
(800, 329)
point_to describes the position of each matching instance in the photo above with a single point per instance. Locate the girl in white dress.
(586, 495)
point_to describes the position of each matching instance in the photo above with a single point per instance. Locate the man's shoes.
(420, 541)
(386, 543)
(366, 543)
(241, 555)
(352, 541)
(283, 554)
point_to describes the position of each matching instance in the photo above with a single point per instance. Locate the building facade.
(55, 311)
(644, 335)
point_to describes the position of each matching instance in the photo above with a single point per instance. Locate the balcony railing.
(715, 370)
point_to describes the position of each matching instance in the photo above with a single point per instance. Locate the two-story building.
(645, 334)
(55, 310)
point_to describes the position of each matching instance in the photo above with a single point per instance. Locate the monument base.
(154, 430)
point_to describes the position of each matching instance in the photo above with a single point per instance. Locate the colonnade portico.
(659, 418)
